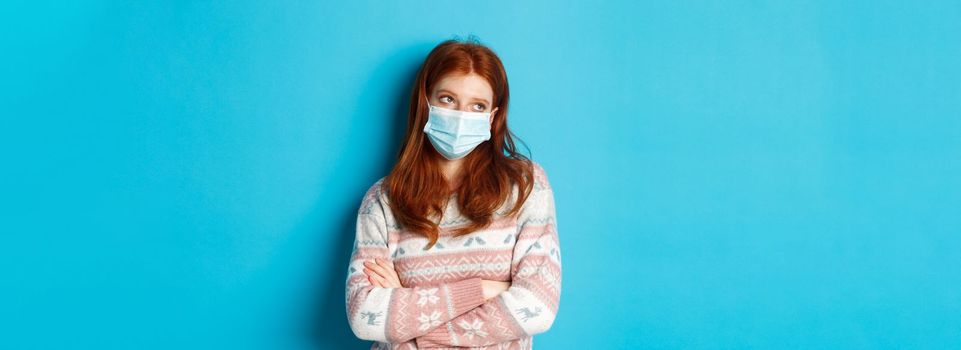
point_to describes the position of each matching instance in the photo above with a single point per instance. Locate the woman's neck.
(451, 170)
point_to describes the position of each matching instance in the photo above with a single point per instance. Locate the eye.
(480, 107)
(447, 97)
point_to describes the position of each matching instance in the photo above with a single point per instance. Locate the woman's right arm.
(397, 315)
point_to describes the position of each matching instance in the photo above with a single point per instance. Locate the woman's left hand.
(381, 273)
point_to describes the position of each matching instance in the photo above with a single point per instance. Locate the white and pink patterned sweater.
(441, 304)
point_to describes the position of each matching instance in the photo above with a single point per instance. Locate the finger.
(384, 264)
(376, 267)
(394, 280)
(387, 284)
(374, 274)
(378, 280)
(388, 269)
(384, 271)
(391, 274)
(369, 268)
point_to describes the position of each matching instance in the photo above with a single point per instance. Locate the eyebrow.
(452, 93)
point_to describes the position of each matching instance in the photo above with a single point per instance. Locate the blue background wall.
(727, 174)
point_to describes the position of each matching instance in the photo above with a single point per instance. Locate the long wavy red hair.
(416, 187)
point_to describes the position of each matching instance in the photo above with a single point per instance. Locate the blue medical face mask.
(455, 133)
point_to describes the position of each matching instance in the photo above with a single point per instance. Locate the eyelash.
(482, 106)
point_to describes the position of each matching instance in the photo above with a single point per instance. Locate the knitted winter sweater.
(441, 304)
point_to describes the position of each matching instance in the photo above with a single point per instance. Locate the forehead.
(466, 86)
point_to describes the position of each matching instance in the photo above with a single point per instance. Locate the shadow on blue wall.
(327, 325)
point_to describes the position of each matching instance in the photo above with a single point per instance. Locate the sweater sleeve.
(529, 306)
(396, 315)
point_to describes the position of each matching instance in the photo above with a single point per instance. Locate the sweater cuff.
(433, 339)
(466, 295)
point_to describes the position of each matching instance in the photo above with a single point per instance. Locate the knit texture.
(441, 304)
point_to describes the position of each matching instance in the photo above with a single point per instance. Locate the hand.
(493, 288)
(381, 273)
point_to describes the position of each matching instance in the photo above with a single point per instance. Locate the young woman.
(457, 246)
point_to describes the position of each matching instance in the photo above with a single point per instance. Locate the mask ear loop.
(428, 102)
(429, 109)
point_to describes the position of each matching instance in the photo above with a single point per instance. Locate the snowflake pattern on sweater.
(441, 305)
